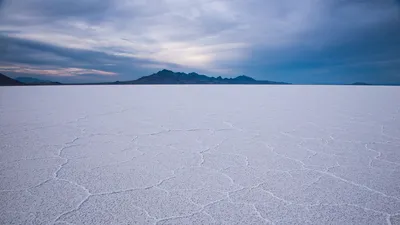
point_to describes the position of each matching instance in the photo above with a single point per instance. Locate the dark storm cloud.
(54, 10)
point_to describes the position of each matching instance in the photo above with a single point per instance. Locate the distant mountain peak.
(165, 71)
(243, 77)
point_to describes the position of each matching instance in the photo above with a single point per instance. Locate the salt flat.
(200, 155)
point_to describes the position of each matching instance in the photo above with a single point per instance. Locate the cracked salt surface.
(199, 155)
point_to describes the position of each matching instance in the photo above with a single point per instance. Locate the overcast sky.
(299, 41)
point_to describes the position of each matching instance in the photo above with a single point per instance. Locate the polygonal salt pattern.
(199, 155)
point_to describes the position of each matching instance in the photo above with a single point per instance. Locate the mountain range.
(170, 77)
(161, 77)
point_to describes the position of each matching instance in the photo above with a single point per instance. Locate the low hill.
(7, 81)
(360, 83)
(35, 81)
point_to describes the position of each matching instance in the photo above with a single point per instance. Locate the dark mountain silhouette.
(161, 77)
(6, 81)
(170, 77)
(360, 83)
(35, 81)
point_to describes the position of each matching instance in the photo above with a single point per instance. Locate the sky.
(297, 41)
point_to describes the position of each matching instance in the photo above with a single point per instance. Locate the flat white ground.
(200, 155)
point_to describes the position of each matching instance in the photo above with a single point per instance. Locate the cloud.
(227, 37)
(33, 54)
(24, 69)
